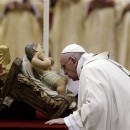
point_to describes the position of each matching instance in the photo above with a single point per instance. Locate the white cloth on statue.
(73, 86)
(103, 98)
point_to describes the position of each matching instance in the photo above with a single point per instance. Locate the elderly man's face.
(69, 65)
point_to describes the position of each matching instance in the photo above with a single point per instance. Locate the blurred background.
(97, 25)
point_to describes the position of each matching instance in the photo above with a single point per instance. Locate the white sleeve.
(70, 122)
(92, 106)
(93, 99)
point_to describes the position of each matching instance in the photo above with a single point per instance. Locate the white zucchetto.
(73, 48)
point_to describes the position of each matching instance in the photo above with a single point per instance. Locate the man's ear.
(74, 60)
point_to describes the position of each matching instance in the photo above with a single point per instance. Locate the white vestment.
(104, 96)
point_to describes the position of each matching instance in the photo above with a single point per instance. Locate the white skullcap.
(73, 48)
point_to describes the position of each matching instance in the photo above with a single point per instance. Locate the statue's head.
(30, 50)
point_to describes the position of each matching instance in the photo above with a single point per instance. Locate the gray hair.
(30, 50)
(73, 54)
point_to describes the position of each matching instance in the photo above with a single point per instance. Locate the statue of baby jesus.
(44, 66)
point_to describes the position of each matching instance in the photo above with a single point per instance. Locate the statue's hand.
(52, 61)
(40, 55)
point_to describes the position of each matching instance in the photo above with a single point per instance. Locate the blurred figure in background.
(94, 23)
(19, 26)
(66, 27)
(99, 26)
(122, 35)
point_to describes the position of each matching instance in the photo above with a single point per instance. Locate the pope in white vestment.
(103, 96)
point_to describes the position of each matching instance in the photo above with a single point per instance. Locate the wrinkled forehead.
(66, 56)
(63, 57)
